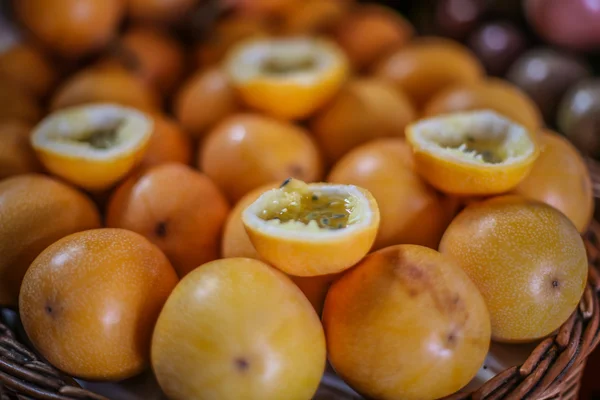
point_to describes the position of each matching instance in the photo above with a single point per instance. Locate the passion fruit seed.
(288, 65)
(328, 211)
(101, 138)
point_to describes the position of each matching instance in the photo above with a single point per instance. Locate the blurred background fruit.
(427, 65)
(72, 28)
(365, 109)
(36, 211)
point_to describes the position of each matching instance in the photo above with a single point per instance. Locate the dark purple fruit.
(457, 18)
(579, 116)
(545, 75)
(497, 44)
(573, 24)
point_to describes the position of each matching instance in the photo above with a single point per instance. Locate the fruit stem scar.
(241, 364)
(555, 283)
(161, 229)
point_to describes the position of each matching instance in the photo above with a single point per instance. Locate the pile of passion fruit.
(307, 182)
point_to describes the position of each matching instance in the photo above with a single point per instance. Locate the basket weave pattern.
(552, 371)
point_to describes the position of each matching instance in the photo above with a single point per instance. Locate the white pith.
(360, 217)
(246, 60)
(437, 135)
(56, 132)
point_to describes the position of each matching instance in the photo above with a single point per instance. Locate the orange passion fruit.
(401, 310)
(246, 151)
(227, 32)
(161, 11)
(491, 94)
(92, 146)
(168, 143)
(313, 17)
(180, 210)
(369, 32)
(153, 56)
(16, 103)
(97, 324)
(312, 229)
(365, 109)
(526, 258)
(72, 28)
(16, 154)
(203, 100)
(411, 211)
(269, 348)
(288, 78)
(105, 85)
(428, 65)
(28, 68)
(36, 211)
(561, 179)
(472, 153)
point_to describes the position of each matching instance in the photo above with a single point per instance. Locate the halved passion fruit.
(92, 146)
(472, 153)
(312, 229)
(288, 78)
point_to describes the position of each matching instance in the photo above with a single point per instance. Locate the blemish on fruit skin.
(49, 310)
(161, 229)
(241, 364)
(555, 283)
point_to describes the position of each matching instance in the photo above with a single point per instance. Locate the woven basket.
(552, 371)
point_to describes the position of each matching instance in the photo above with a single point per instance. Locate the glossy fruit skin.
(560, 178)
(105, 85)
(205, 99)
(97, 324)
(16, 155)
(411, 211)
(178, 209)
(365, 109)
(15, 103)
(369, 32)
(152, 55)
(162, 11)
(246, 151)
(493, 94)
(272, 347)
(72, 28)
(168, 143)
(28, 68)
(526, 258)
(428, 313)
(545, 74)
(36, 211)
(428, 65)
